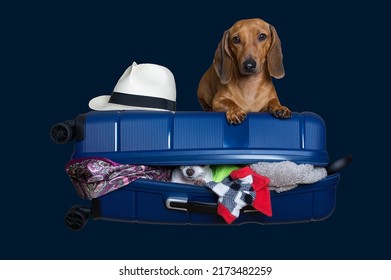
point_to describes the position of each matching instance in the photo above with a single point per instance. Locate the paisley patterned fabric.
(94, 177)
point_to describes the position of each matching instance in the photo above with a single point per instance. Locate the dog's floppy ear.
(223, 60)
(274, 57)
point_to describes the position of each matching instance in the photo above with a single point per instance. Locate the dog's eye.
(262, 37)
(236, 40)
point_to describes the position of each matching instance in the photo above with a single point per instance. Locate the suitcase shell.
(155, 202)
(191, 138)
(184, 138)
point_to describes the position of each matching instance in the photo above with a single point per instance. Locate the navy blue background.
(56, 57)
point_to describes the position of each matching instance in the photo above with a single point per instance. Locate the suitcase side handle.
(182, 204)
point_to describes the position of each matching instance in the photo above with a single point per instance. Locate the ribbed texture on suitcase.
(195, 131)
(100, 133)
(145, 132)
(264, 133)
(314, 132)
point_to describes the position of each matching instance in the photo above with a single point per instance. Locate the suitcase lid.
(193, 138)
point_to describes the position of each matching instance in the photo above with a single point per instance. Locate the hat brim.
(101, 103)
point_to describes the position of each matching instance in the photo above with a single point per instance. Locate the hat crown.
(147, 80)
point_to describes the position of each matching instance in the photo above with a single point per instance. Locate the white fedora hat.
(141, 87)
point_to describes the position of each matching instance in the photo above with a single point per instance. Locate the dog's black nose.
(249, 65)
(190, 172)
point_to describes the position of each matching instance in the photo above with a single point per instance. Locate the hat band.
(141, 101)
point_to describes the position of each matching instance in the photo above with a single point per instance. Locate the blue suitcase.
(193, 138)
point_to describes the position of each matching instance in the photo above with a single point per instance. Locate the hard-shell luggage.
(194, 138)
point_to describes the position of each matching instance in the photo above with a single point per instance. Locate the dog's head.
(193, 172)
(250, 45)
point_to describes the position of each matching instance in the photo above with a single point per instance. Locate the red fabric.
(262, 200)
(224, 212)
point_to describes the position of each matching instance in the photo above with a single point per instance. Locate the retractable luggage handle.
(182, 204)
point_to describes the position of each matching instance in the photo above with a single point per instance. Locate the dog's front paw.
(281, 112)
(236, 115)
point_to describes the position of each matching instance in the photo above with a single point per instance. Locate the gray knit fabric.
(286, 175)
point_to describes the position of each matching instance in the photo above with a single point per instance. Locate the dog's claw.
(236, 116)
(240, 119)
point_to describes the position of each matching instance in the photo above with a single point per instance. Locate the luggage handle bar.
(175, 203)
(182, 204)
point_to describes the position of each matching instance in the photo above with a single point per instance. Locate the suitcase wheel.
(77, 217)
(61, 133)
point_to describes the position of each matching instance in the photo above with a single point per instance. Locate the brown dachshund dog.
(240, 79)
